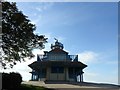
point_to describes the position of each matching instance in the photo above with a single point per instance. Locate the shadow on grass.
(29, 87)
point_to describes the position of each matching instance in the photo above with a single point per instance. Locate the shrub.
(11, 80)
(5, 80)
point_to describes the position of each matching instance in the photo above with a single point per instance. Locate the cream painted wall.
(57, 76)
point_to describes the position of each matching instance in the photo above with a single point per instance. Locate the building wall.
(65, 76)
(57, 76)
(70, 79)
(41, 79)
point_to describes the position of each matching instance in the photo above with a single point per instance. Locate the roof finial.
(57, 45)
(56, 39)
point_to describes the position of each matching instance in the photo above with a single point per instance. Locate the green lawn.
(31, 87)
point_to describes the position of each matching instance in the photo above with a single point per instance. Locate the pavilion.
(57, 65)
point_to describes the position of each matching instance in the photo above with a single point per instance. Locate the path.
(65, 86)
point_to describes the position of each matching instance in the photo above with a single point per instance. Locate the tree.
(18, 38)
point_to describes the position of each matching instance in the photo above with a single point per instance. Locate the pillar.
(40, 74)
(32, 77)
(81, 77)
(48, 73)
(66, 74)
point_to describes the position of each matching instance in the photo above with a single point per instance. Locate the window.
(57, 57)
(53, 70)
(57, 69)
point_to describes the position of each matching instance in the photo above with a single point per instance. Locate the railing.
(73, 57)
(57, 57)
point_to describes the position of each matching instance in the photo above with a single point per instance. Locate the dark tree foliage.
(18, 35)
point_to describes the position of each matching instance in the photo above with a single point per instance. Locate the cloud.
(44, 6)
(96, 63)
(93, 77)
(23, 68)
(37, 15)
(87, 56)
(48, 5)
(36, 20)
(90, 76)
(39, 9)
(108, 57)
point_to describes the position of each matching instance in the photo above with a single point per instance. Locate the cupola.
(57, 45)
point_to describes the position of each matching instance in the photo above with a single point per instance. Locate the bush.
(5, 80)
(11, 80)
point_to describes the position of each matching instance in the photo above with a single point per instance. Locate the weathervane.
(56, 39)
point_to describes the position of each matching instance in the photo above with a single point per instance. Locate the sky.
(86, 29)
(63, 0)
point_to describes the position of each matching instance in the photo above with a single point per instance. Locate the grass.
(30, 87)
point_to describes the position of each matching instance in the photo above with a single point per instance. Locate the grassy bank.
(30, 87)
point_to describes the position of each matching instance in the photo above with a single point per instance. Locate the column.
(82, 78)
(32, 77)
(80, 73)
(39, 79)
(66, 74)
(48, 73)
(40, 73)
